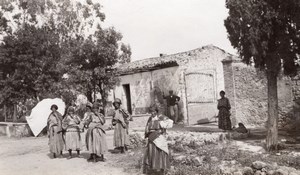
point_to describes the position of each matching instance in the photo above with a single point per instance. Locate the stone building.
(196, 76)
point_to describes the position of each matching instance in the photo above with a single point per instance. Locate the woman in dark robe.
(72, 136)
(54, 123)
(156, 159)
(224, 112)
(95, 136)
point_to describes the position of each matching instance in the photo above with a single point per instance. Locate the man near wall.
(172, 104)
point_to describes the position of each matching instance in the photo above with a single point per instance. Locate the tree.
(125, 56)
(266, 33)
(29, 53)
(40, 36)
(93, 64)
(29, 64)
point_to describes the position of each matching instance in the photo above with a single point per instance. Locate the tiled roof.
(163, 61)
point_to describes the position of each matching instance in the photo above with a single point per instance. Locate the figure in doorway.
(121, 120)
(224, 112)
(172, 104)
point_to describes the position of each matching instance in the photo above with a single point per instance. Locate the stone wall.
(229, 87)
(295, 86)
(250, 95)
(10, 129)
(246, 88)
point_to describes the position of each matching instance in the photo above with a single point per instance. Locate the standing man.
(172, 104)
(120, 120)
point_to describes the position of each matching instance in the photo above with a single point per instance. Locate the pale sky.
(152, 27)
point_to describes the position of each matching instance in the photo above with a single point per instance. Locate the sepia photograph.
(149, 87)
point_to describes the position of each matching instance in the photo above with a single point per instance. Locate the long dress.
(121, 122)
(224, 114)
(157, 153)
(54, 123)
(72, 137)
(95, 136)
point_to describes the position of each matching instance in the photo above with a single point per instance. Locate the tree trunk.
(15, 113)
(94, 92)
(272, 122)
(103, 98)
(94, 86)
(5, 113)
(89, 96)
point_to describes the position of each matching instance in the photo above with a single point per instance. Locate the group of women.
(64, 132)
(156, 155)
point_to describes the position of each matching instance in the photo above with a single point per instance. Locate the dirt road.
(30, 156)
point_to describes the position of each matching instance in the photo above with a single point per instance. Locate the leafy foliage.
(265, 32)
(29, 61)
(92, 64)
(56, 47)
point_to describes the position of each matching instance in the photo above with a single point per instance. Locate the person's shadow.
(64, 155)
(84, 155)
(114, 151)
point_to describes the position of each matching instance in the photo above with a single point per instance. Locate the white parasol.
(40, 113)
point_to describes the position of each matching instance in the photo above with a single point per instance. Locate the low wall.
(10, 129)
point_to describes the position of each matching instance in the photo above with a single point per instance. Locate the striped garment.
(121, 138)
(156, 158)
(95, 136)
(96, 141)
(72, 137)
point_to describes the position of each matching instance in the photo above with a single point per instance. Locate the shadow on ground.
(83, 155)
(209, 127)
(114, 151)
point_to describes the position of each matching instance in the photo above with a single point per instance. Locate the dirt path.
(30, 156)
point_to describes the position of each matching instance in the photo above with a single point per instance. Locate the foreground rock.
(184, 150)
(136, 139)
(258, 168)
(195, 139)
(258, 165)
(182, 139)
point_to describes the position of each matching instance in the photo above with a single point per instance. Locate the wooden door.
(201, 95)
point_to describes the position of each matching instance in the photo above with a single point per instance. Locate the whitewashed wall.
(147, 87)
